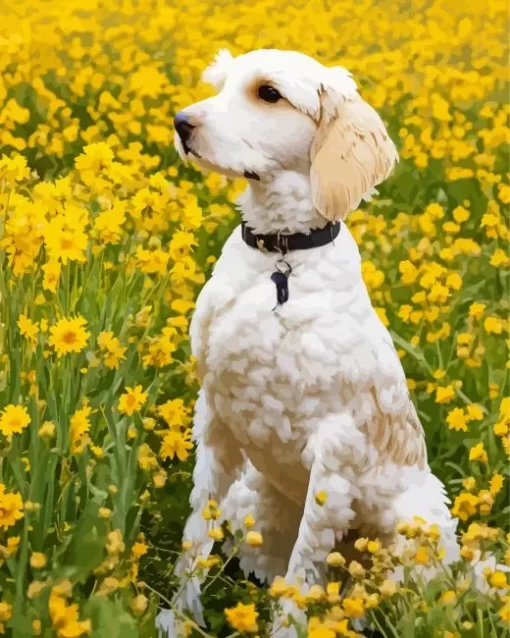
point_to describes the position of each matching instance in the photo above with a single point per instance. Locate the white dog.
(302, 389)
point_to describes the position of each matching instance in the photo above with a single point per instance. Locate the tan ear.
(351, 154)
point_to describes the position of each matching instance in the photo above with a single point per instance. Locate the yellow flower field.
(105, 240)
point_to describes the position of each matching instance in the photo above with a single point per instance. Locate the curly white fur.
(311, 396)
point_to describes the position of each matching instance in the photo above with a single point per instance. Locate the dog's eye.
(269, 94)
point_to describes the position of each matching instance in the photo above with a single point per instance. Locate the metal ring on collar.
(283, 267)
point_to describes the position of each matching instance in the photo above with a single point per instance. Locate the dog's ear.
(352, 151)
(216, 73)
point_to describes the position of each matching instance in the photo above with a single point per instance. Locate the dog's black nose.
(183, 126)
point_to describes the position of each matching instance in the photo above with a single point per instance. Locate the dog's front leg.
(217, 460)
(334, 452)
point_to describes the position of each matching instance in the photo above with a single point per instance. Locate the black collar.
(278, 243)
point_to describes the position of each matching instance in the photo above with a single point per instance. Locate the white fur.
(309, 396)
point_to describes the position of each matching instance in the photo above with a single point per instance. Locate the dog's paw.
(282, 627)
(278, 631)
(190, 599)
(168, 626)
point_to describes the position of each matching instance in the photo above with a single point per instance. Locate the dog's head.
(282, 110)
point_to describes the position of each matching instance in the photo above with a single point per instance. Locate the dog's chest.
(255, 381)
(269, 368)
(273, 372)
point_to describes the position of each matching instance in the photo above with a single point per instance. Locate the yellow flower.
(469, 483)
(113, 351)
(356, 569)
(51, 275)
(96, 451)
(139, 604)
(159, 478)
(38, 560)
(79, 428)
(317, 629)
(216, 534)
(457, 420)
(504, 408)
(69, 335)
(47, 430)
(13, 420)
(254, 539)
(465, 506)
(422, 556)
(474, 413)
(500, 259)
(65, 618)
(408, 271)
(11, 506)
(374, 546)
(278, 587)
(333, 592)
(138, 550)
(504, 613)
(152, 261)
(498, 580)
(478, 453)
(181, 244)
(149, 424)
(108, 224)
(175, 412)
(249, 521)
(335, 559)
(176, 444)
(493, 325)
(95, 158)
(243, 618)
(115, 543)
(496, 483)
(315, 593)
(208, 563)
(476, 310)
(12, 546)
(146, 458)
(132, 400)
(321, 498)
(353, 607)
(361, 544)
(65, 241)
(5, 611)
(405, 312)
(28, 328)
(448, 598)
(13, 169)
(486, 501)
(211, 511)
(161, 349)
(35, 588)
(388, 588)
(460, 214)
(445, 395)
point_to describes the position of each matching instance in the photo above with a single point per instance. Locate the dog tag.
(281, 280)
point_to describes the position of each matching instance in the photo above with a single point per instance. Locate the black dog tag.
(281, 280)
